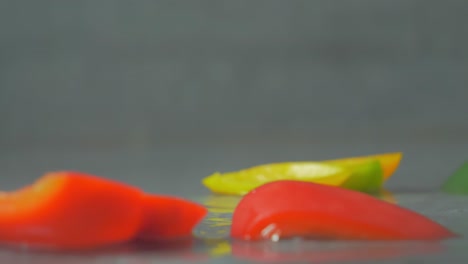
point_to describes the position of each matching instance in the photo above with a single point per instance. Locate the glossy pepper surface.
(70, 210)
(168, 217)
(365, 177)
(243, 181)
(362, 173)
(388, 161)
(285, 209)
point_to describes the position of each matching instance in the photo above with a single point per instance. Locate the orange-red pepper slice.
(168, 217)
(284, 209)
(70, 210)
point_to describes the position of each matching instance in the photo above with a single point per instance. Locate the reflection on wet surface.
(325, 252)
(284, 252)
(217, 223)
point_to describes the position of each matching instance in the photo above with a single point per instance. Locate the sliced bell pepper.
(389, 162)
(357, 173)
(457, 183)
(70, 210)
(366, 177)
(285, 209)
(243, 181)
(168, 217)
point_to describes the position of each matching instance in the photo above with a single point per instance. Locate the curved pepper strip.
(366, 177)
(70, 210)
(388, 161)
(73, 210)
(243, 181)
(168, 217)
(285, 209)
(364, 173)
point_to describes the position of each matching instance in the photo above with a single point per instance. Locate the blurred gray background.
(149, 91)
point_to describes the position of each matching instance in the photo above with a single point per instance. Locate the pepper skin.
(167, 217)
(285, 209)
(70, 210)
(366, 177)
(242, 181)
(388, 161)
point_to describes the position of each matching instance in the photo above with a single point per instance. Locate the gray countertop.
(178, 168)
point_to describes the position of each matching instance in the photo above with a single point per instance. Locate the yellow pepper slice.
(388, 161)
(243, 181)
(366, 177)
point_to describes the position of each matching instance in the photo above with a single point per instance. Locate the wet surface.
(178, 170)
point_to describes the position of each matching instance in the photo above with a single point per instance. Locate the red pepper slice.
(70, 210)
(284, 209)
(167, 217)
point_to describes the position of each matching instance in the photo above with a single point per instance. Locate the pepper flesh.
(356, 174)
(70, 210)
(388, 161)
(243, 181)
(366, 177)
(284, 209)
(167, 217)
